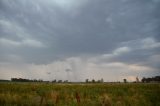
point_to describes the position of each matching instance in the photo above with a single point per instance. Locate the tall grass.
(31, 94)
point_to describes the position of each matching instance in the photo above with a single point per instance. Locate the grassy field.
(36, 94)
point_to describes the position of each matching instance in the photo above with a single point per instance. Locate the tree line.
(143, 80)
(25, 80)
(152, 79)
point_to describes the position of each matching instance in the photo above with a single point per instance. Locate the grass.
(36, 94)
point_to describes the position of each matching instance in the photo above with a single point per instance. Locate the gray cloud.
(105, 32)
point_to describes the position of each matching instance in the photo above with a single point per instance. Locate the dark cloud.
(41, 32)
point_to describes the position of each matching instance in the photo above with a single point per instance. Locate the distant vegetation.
(144, 80)
(97, 94)
(153, 79)
(25, 80)
(54, 81)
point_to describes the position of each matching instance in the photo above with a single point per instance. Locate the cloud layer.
(90, 38)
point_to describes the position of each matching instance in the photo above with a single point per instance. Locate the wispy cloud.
(23, 43)
(145, 43)
(150, 43)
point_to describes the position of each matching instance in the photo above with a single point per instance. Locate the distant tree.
(98, 81)
(20, 80)
(143, 79)
(34, 80)
(54, 81)
(2, 80)
(125, 80)
(157, 78)
(87, 80)
(59, 81)
(148, 80)
(93, 81)
(40, 80)
(65, 81)
(153, 79)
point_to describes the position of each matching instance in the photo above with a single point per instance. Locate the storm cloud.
(106, 39)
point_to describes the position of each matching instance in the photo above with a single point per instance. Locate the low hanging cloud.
(79, 70)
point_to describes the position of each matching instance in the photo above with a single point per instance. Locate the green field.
(36, 94)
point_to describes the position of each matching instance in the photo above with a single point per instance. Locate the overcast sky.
(79, 39)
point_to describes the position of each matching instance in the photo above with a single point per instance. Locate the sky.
(79, 39)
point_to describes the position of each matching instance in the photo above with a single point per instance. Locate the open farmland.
(31, 94)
